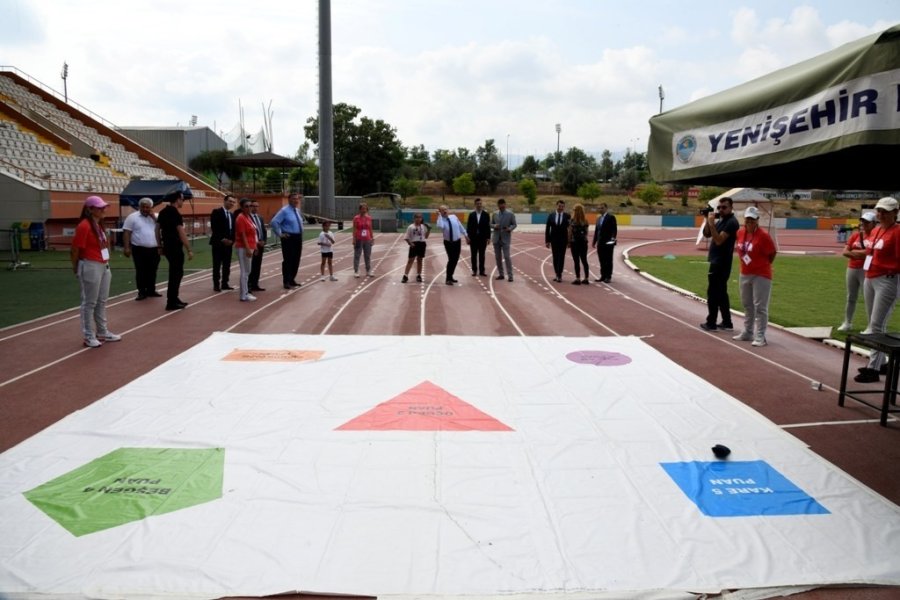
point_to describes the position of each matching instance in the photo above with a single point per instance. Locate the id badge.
(104, 254)
(364, 233)
(746, 258)
(868, 263)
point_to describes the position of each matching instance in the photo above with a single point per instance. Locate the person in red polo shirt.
(882, 264)
(756, 251)
(90, 262)
(856, 252)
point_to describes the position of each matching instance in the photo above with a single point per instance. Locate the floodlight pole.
(65, 75)
(558, 130)
(326, 113)
(662, 96)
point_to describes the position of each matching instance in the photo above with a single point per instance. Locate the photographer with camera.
(721, 227)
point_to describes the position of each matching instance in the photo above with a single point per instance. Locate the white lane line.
(821, 423)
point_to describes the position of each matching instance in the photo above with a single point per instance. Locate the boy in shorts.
(326, 241)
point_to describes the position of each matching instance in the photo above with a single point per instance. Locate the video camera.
(708, 209)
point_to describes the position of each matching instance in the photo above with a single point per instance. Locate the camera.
(706, 210)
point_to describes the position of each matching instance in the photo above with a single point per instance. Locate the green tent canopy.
(831, 122)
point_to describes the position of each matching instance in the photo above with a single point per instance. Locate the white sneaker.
(92, 343)
(356, 274)
(110, 337)
(332, 278)
(743, 337)
(759, 342)
(370, 274)
(249, 298)
(845, 326)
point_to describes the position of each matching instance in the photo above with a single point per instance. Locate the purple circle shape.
(598, 358)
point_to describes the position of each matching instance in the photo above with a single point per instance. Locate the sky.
(444, 73)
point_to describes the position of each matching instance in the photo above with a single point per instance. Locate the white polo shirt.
(143, 229)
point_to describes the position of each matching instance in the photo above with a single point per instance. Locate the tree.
(448, 165)
(405, 187)
(464, 185)
(589, 191)
(528, 188)
(367, 153)
(489, 169)
(574, 168)
(607, 169)
(627, 179)
(214, 163)
(708, 193)
(650, 194)
(530, 166)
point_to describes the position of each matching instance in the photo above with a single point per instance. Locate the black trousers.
(291, 251)
(717, 293)
(558, 249)
(478, 246)
(255, 268)
(146, 262)
(579, 255)
(605, 254)
(175, 258)
(221, 259)
(453, 251)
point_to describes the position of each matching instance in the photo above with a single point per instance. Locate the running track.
(48, 375)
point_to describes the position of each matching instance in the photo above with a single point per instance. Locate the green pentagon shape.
(130, 484)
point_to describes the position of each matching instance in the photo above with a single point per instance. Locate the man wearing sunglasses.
(721, 228)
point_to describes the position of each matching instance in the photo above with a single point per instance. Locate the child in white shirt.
(326, 241)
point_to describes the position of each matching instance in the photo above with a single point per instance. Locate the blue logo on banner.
(740, 489)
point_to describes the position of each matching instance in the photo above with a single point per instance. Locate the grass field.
(48, 285)
(807, 291)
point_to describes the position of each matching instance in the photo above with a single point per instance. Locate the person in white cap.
(756, 252)
(855, 250)
(90, 262)
(882, 265)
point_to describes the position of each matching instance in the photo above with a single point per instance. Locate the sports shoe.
(356, 274)
(418, 279)
(110, 337)
(707, 327)
(758, 342)
(332, 278)
(576, 282)
(405, 279)
(845, 326)
(92, 343)
(744, 336)
(726, 326)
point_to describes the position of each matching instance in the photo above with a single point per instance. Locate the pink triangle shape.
(425, 407)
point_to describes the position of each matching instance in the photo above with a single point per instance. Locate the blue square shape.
(740, 489)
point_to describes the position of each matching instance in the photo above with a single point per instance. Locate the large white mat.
(442, 466)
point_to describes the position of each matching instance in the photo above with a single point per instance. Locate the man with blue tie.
(288, 225)
(453, 235)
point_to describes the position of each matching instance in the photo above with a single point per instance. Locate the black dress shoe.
(176, 306)
(599, 280)
(217, 288)
(257, 289)
(707, 327)
(867, 376)
(225, 286)
(483, 274)
(141, 297)
(154, 294)
(500, 277)
(449, 282)
(454, 280)
(287, 286)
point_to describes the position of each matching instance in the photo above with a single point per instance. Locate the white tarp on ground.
(443, 466)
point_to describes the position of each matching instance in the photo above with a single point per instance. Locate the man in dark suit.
(256, 261)
(556, 237)
(221, 221)
(605, 242)
(479, 230)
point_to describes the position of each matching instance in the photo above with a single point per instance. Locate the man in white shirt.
(453, 235)
(140, 244)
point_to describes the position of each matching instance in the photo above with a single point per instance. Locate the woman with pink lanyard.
(90, 262)
(882, 264)
(856, 252)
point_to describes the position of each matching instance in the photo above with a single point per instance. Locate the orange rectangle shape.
(250, 355)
